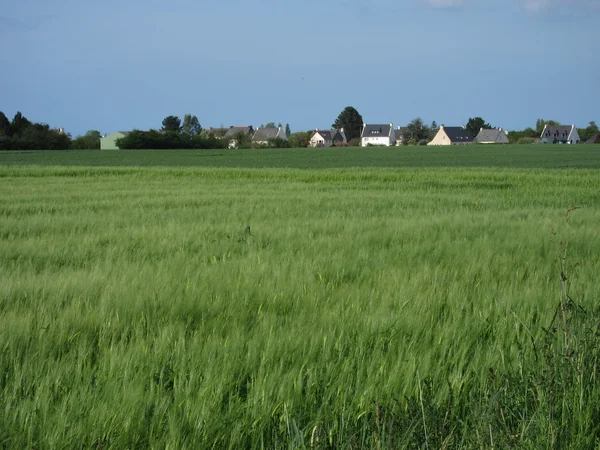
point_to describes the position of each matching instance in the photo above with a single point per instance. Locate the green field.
(352, 298)
(513, 156)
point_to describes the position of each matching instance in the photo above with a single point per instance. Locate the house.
(263, 135)
(108, 142)
(217, 132)
(378, 134)
(328, 138)
(233, 132)
(451, 136)
(561, 134)
(400, 133)
(491, 136)
(595, 139)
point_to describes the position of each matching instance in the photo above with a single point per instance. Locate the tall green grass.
(340, 308)
(509, 156)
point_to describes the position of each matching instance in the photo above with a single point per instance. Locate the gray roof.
(232, 131)
(124, 133)
(264, 134)
(492, 135)
(595, 139)
(376, 130)
(329, 135)
(552, 132)
(217, 130)
(457, 134)
(400, 132)
(326, 134)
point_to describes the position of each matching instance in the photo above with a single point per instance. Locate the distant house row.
(378, 135)
(385, 135)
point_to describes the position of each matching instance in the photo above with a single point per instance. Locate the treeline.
(164, 140)
(22, 134)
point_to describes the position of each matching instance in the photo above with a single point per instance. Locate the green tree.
(19, 123)
(416, 132)
(288, 130)
(351, 121)
(475, 124)
(89, 141)
(171, 123)
(4, 125)
(299, 139)
(589, 132)
(191, 125)
(270, 125)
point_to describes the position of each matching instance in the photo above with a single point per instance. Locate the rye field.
(301, 299)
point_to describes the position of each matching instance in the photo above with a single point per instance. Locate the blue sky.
(124, 64)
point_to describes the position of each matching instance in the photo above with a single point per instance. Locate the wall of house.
(441, 138)
(379, 140)
(574, 136)
(314, 141)
(108, 141)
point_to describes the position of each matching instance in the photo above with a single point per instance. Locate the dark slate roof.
(458, 134)
(594, 139)
(376, 130)
(264, 134)
(216, 131)
(232, 131)
(552, 132)
(326, 134)
(492, 135)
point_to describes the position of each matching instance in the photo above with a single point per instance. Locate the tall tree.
(416, 131)
(288, 130)
(351, 121)
(171, 123)
(475, 124)
(4, 125)
(589, 132)
(19, 123)
(191, 125)
(270, 125)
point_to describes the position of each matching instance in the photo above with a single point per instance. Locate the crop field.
(234, 301)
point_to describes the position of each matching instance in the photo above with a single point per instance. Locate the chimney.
(441, 126)
(500, 129)
(342, 129)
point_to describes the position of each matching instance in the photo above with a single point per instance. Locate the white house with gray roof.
(263, 135)
(491, 136)
(328, 138)
(232, 134)
(562, 134)
(382, 135)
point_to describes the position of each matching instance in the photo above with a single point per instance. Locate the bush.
(527, 140)
(158, 140)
